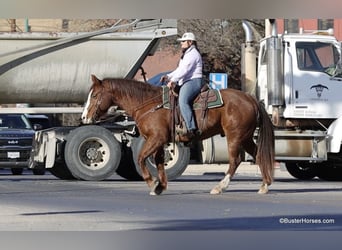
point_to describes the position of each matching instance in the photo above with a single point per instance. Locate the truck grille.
(13, 141)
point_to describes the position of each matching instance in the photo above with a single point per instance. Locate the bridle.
(98, 109)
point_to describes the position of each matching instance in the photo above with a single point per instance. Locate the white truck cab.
(299, 79)
(311, 90)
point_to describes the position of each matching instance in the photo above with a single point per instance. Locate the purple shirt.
(189, 67)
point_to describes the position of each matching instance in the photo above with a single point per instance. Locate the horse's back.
(239, 98)
(239, 114)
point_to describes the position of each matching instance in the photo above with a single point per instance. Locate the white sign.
(218, 80)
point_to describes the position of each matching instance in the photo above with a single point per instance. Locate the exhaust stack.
(248, 61)
(275, 84)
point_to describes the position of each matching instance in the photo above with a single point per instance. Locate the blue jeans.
(187, 94)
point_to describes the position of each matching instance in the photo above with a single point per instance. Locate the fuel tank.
(289, 146)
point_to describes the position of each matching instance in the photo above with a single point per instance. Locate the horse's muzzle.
(84, 120)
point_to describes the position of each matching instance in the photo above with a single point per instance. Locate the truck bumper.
(47, 146)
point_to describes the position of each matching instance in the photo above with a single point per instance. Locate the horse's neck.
(131, 104)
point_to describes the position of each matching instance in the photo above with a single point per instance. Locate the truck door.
(314, 93)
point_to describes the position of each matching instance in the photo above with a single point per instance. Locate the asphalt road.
(44, 203)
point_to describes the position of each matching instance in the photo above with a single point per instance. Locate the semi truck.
(297, 77)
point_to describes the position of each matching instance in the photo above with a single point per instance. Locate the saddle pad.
(211, 97)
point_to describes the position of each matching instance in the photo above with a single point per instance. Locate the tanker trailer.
(53, 68)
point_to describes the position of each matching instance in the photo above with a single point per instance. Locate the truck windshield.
(317, 56)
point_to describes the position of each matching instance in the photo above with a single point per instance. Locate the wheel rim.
(94, 153)
(171, 155)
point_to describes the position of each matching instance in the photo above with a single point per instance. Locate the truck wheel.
(330, 171)
(176, 160)
(17, 171)
(302, 170)
(38, 171)
(61, 171)
(92, 153)
(126, 167)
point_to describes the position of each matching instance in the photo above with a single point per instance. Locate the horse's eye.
(94, 95)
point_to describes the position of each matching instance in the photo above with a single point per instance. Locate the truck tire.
(38, 171)
(302, 170)
(61, 171)
(17, 171)
(176, 160)
(126, 167)
(92, 153)
(330, 171)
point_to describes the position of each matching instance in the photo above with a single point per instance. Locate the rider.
(187, 77)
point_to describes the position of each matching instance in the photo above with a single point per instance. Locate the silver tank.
(56, 67)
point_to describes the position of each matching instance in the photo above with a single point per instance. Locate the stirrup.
(181, 130)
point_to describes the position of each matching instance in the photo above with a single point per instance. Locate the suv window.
(14, 121)
(42, 120)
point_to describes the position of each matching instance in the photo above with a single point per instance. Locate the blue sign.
(218, 80)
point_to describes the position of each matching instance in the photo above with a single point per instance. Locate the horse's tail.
(265, 153)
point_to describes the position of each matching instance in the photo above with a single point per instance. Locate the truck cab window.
(316, 56)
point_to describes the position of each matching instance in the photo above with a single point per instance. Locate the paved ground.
(245, 168)
(186, 216)
(44, 203)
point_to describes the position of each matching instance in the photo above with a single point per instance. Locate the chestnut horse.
(237, 119)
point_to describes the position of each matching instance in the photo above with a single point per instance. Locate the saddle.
(208, 98)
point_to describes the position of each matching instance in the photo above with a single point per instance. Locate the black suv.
(16, 135)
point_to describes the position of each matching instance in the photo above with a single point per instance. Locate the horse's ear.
(95, 79)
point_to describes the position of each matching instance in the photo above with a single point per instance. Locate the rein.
(150, 110)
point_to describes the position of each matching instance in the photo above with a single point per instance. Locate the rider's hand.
(171, 84)
(164, 78)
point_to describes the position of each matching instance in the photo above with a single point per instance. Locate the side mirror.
(37, 126)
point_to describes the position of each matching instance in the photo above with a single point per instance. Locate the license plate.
(13, 155)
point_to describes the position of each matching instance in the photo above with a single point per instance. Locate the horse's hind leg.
(234, 162)
(251, 149)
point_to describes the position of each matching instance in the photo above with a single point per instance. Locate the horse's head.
(98, 102)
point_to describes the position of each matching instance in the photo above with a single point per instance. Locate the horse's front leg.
(146, 175)
(161, 185)
(222, 186)
(147, 150)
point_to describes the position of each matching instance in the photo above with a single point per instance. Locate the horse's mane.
(133, 88)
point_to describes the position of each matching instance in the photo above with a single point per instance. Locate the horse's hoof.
(216, 191)
(159, 189)
(156, 189)
(263, 190)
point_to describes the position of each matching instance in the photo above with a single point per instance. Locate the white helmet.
(188, 36)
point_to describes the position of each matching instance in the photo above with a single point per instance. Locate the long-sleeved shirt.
(189, 67)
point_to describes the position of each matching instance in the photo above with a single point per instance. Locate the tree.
(220, 42)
